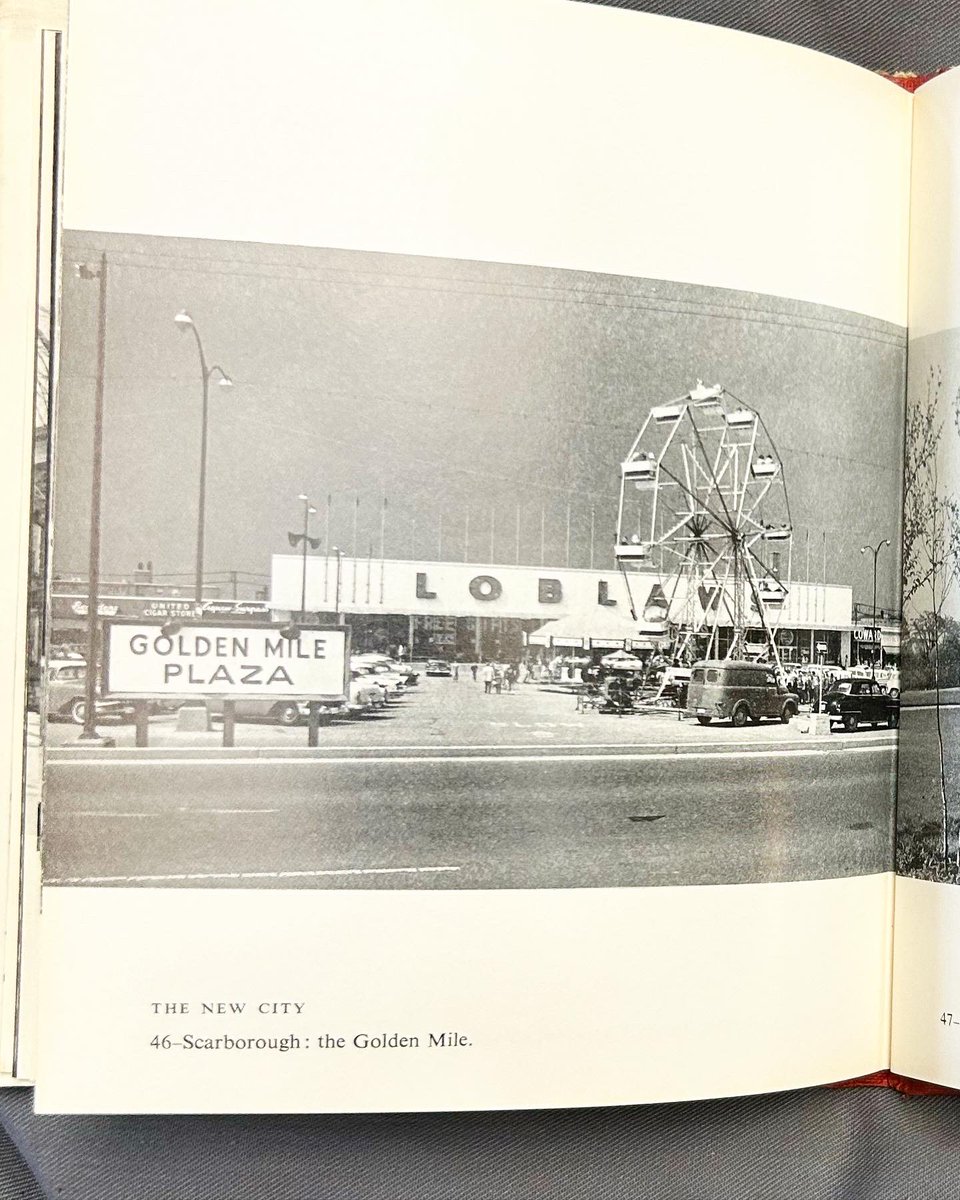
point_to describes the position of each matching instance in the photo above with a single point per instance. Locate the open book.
(492, 588)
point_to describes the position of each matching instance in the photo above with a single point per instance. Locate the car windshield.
(844, 686)
(68, 673)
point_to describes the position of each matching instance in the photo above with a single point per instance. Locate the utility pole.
(96, 492)
(875, 551)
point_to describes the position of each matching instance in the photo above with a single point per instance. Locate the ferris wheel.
(703, 503)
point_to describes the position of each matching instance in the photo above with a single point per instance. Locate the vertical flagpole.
(568, 535)
(823, 591)
(356, 518)
(326, 548)
(303, 578)
(383, 532)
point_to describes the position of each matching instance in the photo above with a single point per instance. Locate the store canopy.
(603, 627)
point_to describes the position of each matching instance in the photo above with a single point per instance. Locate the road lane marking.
(220, 812)
(406, 760)
(249, 875)
(94, 812)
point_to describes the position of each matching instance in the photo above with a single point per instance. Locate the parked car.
(852, 702)
(290, 711)
(392, 682)
(739, 691)
(66, 693)
(890, 679)
(410, 678)
(363, 696)
(436, 666)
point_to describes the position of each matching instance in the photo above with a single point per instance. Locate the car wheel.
(850, 722)
(77, 711)
(789, 710)
(740, 716)
(895, 693)
(286, 714)
(704, 720)
(893, 720)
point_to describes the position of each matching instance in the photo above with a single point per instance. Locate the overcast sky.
(449, 387)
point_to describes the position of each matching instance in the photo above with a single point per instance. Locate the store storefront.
(470, 611)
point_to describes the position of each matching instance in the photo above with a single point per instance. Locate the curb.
(65, 754)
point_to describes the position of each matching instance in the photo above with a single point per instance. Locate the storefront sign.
(456, 589)
(223, 660)
(69, 607)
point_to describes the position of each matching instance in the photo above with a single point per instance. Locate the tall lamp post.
(85, 271)
(184, 321)
(308, 543)
(875, 551)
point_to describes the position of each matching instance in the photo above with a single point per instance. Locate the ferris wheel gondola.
(703, 502)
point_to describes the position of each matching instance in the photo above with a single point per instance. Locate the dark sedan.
(855, 702)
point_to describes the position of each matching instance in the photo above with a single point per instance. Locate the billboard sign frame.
(235, 628)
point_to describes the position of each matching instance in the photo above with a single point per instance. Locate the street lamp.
(875, 551)
(308, 542)
(184, 321)
(85, 271)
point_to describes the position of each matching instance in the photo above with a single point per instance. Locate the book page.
(30, 62)
(926, 971)
(479, 404)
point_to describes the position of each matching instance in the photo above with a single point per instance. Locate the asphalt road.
(474, 818)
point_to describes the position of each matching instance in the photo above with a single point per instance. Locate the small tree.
(931, 545)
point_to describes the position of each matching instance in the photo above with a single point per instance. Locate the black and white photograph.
(373, 570)
(928, 813)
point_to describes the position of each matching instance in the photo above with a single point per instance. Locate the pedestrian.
(456, 672)
(473, 670)
(486, 674)
(497, 678)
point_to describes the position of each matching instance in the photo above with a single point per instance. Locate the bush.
(919, 852)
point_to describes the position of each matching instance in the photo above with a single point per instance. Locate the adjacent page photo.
(473, 656)
(926, 976)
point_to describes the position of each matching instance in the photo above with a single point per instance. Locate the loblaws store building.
(471, 610)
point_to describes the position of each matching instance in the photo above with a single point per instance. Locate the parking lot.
(444, 713)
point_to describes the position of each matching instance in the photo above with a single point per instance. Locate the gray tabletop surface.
(850, 1144)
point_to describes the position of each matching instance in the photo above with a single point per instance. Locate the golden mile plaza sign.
(228, 661)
